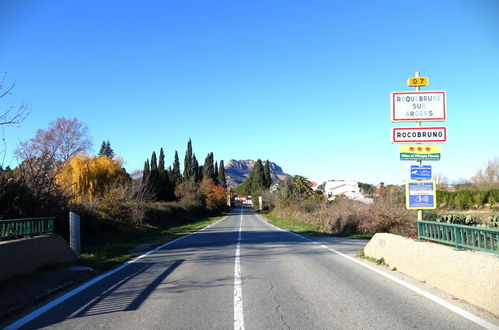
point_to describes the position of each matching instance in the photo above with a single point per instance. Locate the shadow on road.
(113, 296)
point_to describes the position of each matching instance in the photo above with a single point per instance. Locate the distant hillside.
(236, 171)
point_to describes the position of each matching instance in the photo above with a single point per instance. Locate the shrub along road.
(275, 280)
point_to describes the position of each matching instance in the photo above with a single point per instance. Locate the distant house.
(243, 199)
(240, 198)
(347, 188)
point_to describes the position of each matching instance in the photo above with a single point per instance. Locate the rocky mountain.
(236, 171)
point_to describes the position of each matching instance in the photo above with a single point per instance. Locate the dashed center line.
(238, 295)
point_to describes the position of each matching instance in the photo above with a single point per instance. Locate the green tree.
(188, 163)
(197, 173)
(176, 175)
(257, 178)
(215, 175)
(302, 187)
(161, 162)
(221, 175)
(267, 178)
(208, 168)
(105, 149)
(146, 173)
(245, 187)
(154, 178)
(165, 186)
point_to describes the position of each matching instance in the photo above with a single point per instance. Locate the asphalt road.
(277, 280)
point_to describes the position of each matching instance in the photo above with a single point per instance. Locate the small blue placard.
(420, 172)
(420, 194)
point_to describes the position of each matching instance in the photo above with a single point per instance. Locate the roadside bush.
(346, 217)
(384, 216)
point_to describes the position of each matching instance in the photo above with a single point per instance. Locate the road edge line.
(435, 299)
(53, 303)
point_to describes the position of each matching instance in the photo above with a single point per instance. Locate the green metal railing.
(15, 228)
(477, 238)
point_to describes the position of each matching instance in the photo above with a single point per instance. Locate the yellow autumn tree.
(85, 177)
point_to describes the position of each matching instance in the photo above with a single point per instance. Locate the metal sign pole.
(418, 124)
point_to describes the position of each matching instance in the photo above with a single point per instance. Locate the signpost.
(419, 134)
(420, 172)
(419, 152)
(418, 106)
(420, 194)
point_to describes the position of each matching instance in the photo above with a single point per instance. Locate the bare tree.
(11, 115)
(41, 156)
(441, 181)
(488, 177)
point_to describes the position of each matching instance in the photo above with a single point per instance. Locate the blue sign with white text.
(420, 172)
(420, 194)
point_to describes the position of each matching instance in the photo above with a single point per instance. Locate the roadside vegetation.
(57, 174)
(293, 205)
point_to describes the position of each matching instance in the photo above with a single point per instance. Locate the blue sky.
(305, 84)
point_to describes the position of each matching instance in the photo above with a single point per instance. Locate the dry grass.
(350, 217)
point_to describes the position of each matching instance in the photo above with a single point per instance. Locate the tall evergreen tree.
(102, 148)
(221, 174)
(188, 162)
(161, 163)
(196, 175)
(257, 180)
(176, 175)
(154, 163)
(208, 168)
(165, 186)
(154, 176)
(146, 173)
(215, 175)
(105, 149)
(267, 178)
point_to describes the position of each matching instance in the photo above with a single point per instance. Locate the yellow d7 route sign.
(417, 81)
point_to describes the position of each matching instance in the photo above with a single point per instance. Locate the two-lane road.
(244, 273)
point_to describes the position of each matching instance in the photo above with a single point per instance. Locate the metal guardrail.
(469, 237)
(15, 228)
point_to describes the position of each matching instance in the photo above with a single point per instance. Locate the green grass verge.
(305, 228)
(293, 225)
(115, 253)
(380, 261)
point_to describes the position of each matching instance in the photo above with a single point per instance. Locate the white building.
(348, 188)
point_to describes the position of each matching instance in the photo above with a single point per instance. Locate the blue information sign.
(420, 172)
(420, 194)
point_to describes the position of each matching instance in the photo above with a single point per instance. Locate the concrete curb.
(469, 275)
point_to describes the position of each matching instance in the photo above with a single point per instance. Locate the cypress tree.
(188, 162)
(195, 174)
(267, 178)
(221, 175)
(154, 176)
(161, 164)
(215, 175)
(146, 173)
(208, 168)
(165, 187)
(154, 163)
(176, 175)
(257, 180)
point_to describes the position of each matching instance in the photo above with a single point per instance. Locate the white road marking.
(238, 295)
(409, 286)
(45, 308)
